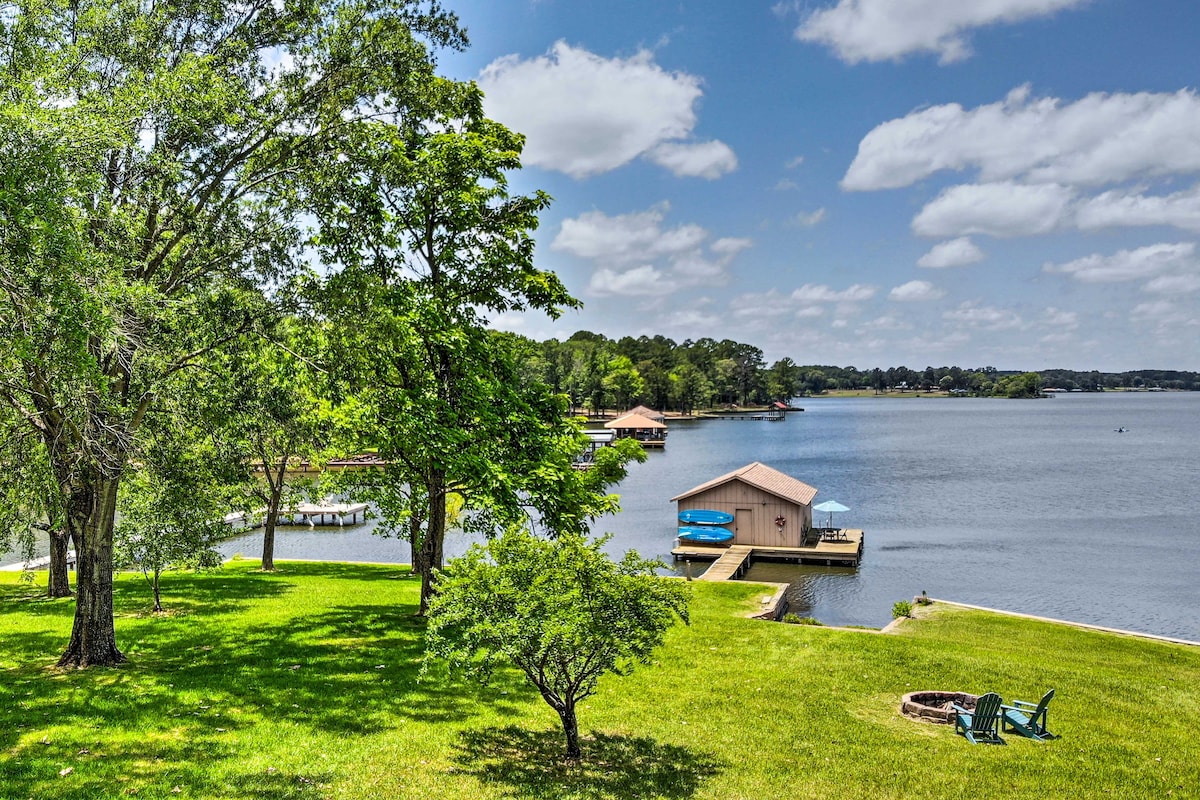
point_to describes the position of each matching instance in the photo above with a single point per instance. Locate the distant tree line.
(598, 373)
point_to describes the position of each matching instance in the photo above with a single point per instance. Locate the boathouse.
(651, 433)
(648, 413)
(769, 508)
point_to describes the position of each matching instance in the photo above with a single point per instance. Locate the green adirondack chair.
(982, 724)
(1028, 719)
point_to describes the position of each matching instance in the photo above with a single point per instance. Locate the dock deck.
(310, 512)
(731, 562)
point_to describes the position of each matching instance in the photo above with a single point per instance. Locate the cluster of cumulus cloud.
(1021, 166)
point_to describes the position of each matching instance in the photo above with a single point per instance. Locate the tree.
(622, 383)
(271, 409)
(689, 387)
(167, 525)
(151, 155)
(657, 384)
(30, 502)
(559, 610)
(783, 379)
(173, 500)
(434, 244)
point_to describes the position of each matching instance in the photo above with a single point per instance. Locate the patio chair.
(1028, 719)
(982, 724)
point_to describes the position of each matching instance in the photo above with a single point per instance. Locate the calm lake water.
(1031, 506)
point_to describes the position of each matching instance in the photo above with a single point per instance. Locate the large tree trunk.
(275, 487)
(268, 553)
(60, 574)
(91, 512)
(432, 545)
(272, 518)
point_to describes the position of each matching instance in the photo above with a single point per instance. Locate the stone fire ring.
(937, 707)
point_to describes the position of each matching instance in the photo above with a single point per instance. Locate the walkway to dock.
(731, 564)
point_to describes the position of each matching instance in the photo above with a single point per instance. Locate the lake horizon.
(1031, 506)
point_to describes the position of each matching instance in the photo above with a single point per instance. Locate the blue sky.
(1013, 183)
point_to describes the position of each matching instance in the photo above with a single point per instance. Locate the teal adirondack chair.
(1028, 719)
(982, 724)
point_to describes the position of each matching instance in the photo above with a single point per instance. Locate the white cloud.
(792, 163)
(1099, 139)
(879, 30)
(700, 160)
(1116, 208)
(953, 253)
(1173, 285)
(761, 304)
(585, 115)
(988, 318)
(637, 255)
(626, 238)
(887, 322)
(1057, 318)
(1130, 265)
(819, 293)
(1155, 310)
(731, 246)
(688, 321)
(809, 219)
(995, 209)
(639, 281)
(915, 292)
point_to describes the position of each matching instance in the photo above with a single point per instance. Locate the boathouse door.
(743, 526)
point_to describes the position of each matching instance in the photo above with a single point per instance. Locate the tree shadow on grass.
(530, 764)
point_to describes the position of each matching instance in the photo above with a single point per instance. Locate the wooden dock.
(732, 562)
(310, 512)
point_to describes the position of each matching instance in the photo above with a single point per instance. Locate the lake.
(1037, 506)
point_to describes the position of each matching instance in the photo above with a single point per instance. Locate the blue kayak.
(705, 535)
(704, 516)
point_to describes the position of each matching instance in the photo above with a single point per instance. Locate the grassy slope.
(304, 684)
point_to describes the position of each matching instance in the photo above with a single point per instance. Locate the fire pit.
(935, 706)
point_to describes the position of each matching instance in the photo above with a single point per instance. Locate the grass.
(304, 684)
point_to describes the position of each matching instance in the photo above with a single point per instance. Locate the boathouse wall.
(754, 513)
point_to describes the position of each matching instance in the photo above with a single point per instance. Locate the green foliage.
(1027, 384)
(158, 161)
(558, 610)
(796, 619)
(901, 609)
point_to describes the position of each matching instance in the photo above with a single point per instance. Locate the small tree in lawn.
(560, 610)
(171, 508)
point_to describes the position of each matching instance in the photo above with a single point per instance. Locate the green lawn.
(304, 684)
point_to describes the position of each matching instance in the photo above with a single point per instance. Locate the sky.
(1007, 183)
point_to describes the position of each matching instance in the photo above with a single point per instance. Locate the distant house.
(648, 413)
(769, 508)
(650, 432)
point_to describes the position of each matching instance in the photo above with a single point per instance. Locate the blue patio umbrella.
(830, 507)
